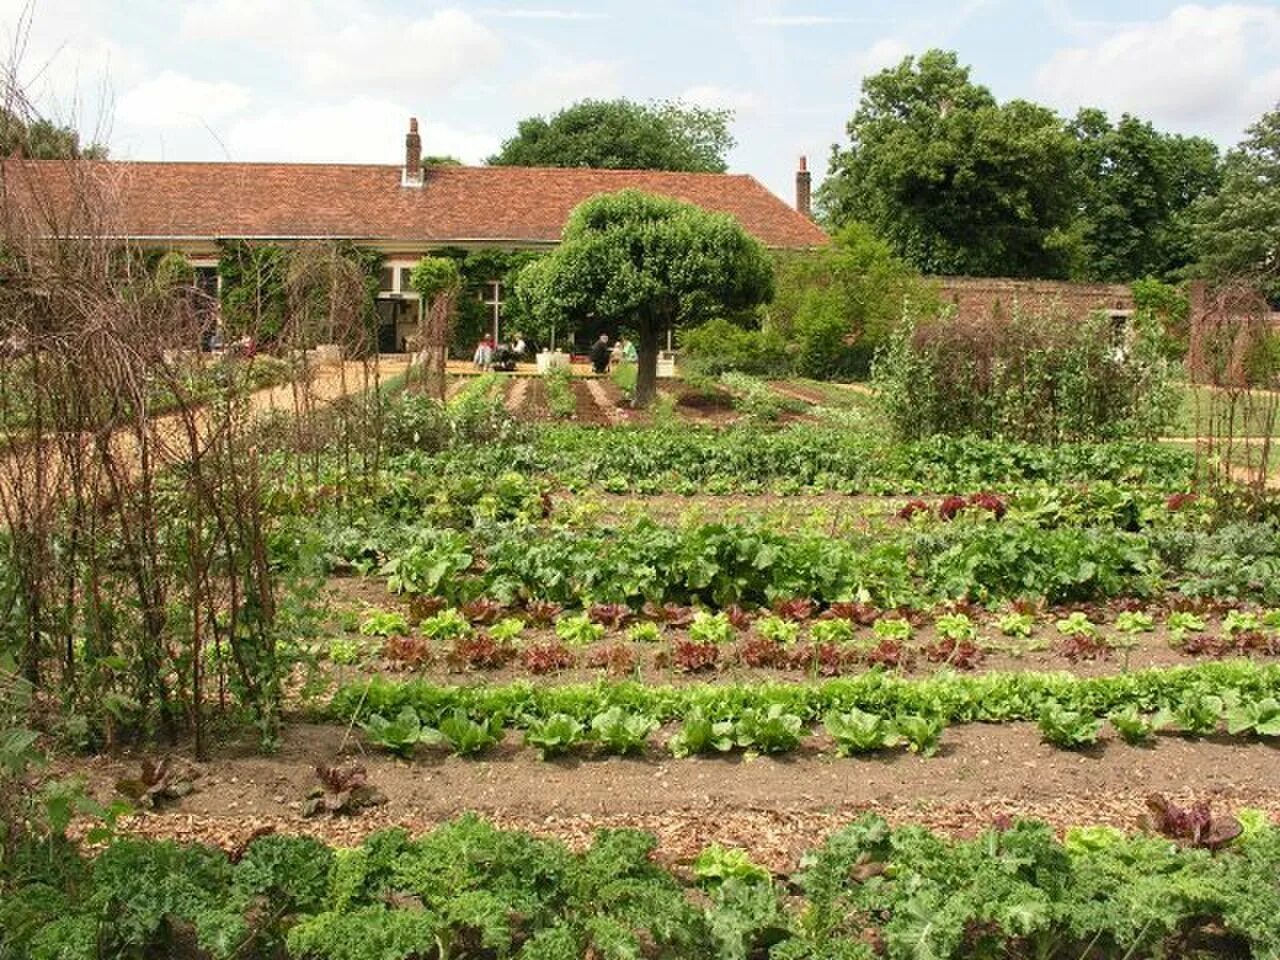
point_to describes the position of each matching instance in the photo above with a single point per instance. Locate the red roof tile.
(365, 202)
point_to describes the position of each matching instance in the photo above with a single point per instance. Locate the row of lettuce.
(467, 891)
(868, 713)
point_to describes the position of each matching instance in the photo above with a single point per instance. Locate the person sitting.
(504, 358)
(600, 354)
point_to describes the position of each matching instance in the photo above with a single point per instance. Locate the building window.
(491, 297)
(386, 280)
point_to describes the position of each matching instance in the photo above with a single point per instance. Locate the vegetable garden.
(757, 690)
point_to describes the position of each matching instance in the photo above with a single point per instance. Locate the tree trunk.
(647, 364)
(435, 345)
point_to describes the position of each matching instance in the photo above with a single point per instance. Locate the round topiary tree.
(648, 263)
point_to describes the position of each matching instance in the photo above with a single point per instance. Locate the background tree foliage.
(958, 183)
(623, 135)
(954, 181)
(647, 263)
(1237, 230)
(1136, 187)
(40, 139)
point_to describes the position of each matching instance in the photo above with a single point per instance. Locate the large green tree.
(956, 182)
(623, 135)
(1136, 187)
(1237, 231)
(41, 139)
(648, 263)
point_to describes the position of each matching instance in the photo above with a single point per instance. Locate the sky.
(337, 80)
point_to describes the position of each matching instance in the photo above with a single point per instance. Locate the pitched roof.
(367, 202)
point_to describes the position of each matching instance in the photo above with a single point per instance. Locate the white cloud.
(549, 14)
(558, 85)
(175, 100)
(434, 52)
(709, 95)
(885, 52)
(361, 130)
(340, 45)
(806, 20)
(1190, 69)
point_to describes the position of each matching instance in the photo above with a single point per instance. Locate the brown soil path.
(776, 807)
(517, 390)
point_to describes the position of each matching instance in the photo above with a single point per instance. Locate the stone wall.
(978, 297)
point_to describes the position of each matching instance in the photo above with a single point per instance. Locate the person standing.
(484, 353)
(600, 354)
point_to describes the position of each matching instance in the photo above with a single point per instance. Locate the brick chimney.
(803, 187)
(412, 176)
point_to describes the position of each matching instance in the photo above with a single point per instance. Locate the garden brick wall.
(978, 297)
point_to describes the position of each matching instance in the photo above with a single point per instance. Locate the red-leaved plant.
(420, 608)
(612, 615)
(961, 654)
(912, 508)
(617, 659)
(543, 612)
(670, 614)
(478, 652)
(797, 608)
(406, 652)
(863, 614)
(689, 656)
(759, 652)
(551, 656)
(481, 611)
(1193, 825)
(740, 619)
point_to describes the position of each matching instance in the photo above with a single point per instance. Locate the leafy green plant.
(1182, 622)
(856, 731)
(579, 631)
(717, 864)
(620, 732)
(955, 626)
(1195, 714)
(700, 734)
(711, 628)
(922, 733)
(835, 631)
(644, 631)
(445, 626)
(507, 630)
(771, 730)
(1240, 621)
(399, 735)
(1135, 728)
(1132, 622)
(1068, 729)
(1076, 624)
(779, 631)
(384, 623)
(896, 629)
(554, 735)
(1017, 624)
(1259, 717)
(467, 737)
(344, 651)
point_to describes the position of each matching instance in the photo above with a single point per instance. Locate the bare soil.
(776, 807)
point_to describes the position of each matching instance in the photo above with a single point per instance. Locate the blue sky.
(318, 80)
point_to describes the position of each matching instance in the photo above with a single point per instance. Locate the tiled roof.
(366, 202)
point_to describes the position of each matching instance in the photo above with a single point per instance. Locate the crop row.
(807, 457)
(772, 729)
(467, 891)
(951, 698)
(718, 565)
